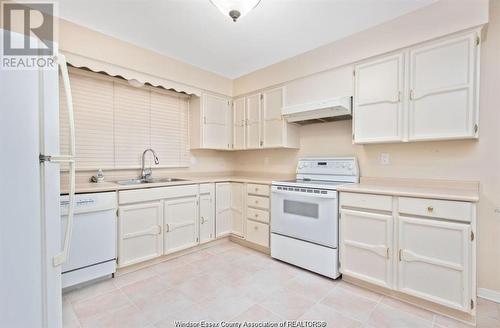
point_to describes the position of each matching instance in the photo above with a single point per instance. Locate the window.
(116, 122)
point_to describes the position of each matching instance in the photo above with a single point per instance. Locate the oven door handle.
(330, 194)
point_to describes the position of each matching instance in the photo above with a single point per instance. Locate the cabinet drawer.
(258, 189)
(258, 233)
(258, 201)
(258, 215)
(452, 210)
(368, 201)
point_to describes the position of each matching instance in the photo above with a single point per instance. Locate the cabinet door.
(273, 125)
(237, 209)
(207, 217)
(366, 246)
(378, 106)
(216, 122)
(434, 261)
(443, 89)
(223, 224)
(181, 223)
(140, 233)
(253, 110)
(239, 123)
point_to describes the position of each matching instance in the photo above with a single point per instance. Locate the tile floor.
(230, 282)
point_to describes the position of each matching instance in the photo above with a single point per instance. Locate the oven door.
(306, 214)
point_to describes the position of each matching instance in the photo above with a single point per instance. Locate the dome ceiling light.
(235, 8)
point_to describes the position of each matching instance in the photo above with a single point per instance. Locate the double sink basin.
(144, 181)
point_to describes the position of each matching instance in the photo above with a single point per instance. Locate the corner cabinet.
(426, 92)
(229, 209)
(210, 120)
(239, 124)
(423, 248)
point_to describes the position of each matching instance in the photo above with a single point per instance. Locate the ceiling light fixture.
(235, 8)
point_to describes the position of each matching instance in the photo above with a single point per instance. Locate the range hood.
(316, 112)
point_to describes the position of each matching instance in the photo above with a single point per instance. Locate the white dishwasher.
(92, 251)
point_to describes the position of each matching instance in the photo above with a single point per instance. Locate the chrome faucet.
(146, 173)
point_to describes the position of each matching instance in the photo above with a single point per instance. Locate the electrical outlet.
(385, 159)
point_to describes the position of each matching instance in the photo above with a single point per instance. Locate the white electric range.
(305, 220)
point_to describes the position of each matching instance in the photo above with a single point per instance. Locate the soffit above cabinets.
(195, 32)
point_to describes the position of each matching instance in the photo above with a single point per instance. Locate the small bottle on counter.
(99, 177)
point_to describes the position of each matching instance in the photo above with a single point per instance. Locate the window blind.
(93, 106)
(116, 122)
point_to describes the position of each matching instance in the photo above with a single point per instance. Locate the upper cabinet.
(254, 116)
(378, 101)
(211, 122)
(443, 95)
(427, 92)
(258, 122)
(252, 122)
(276, 132)
(239, 122)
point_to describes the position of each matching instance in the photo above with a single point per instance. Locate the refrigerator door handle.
(63, 256)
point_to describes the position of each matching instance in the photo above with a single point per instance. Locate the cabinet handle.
(256, 189)
(204, 120)
(256, 228)
(167, 227)
(387, 252)
(400, 251)
(202, 220)
(430, 209)
(256, 215)
(412, 95)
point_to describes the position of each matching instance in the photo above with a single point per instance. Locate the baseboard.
(489, 294)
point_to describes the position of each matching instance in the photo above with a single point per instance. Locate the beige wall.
(88, 43)
(441, 18)
(462, 160)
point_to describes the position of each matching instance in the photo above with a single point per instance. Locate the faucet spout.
(146, 173)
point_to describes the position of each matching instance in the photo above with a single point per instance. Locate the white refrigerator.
(31, 251)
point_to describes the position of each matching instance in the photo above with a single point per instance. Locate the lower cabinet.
(434, 261)
(181, 223)
(418, 247)
(140, 236)
(158, 221)
(258, 233)
(257, 214)
(229, 209)
(207, 212)
(238, 208)
(367, 243)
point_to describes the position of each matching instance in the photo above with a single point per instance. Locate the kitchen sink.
(144, 181)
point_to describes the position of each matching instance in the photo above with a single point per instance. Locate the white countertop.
(467, 191)
(88, 187)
